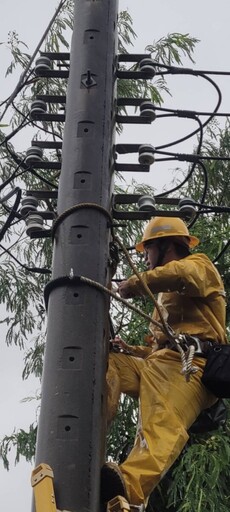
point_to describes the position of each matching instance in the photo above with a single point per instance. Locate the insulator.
(42, 64)
(147, 204)
(147, 109)
(146, 154)
(34, 222)
(37, 107)
(148, 66)
(29, 204)
(187, 208)
(33, 154)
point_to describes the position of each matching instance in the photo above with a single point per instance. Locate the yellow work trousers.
(168, 407)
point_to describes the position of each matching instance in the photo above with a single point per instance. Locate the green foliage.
(170, 49)
(122, 432)
(23, 442)
(200, 482)
(213, 229)
(126, 34)
(34, 355)
(18, 56)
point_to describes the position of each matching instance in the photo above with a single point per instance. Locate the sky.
(206, 20)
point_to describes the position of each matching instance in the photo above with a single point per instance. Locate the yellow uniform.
(192, 301)
(191, 295)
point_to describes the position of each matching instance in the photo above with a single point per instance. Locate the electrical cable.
(203, 194)
(213, 209)
(221, 252)
(191, 157)
(177, 187)
(190, 113)
(175, 142)
(12, 213)
(38, 270)
(207, 121)
(14, 175)
(30, 169)
(23, 75)
(190, 71)
(14, 132)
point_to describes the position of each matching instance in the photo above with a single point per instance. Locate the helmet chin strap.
(162, 248)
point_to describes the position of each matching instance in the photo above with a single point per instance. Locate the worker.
(191, 298)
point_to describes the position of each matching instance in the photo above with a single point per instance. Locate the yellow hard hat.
(159, 227)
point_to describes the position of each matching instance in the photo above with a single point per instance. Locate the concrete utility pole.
(71, 434)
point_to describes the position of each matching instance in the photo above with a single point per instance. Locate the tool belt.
(216, 374)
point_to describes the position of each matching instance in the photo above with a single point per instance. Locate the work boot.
(112, 482)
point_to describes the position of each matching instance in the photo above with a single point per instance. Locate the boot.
(112, 482)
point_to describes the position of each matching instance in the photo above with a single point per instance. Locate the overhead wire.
(13, 210)
(30, 169)
(38, 270)
(226, 246)
(205, 189)
(14, 175)
(177, 187)
(23, 76)
(182, 139)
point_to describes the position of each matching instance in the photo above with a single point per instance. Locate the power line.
(23, 76)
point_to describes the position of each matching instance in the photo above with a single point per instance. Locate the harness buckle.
(186, 341)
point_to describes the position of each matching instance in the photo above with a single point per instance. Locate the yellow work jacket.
(191, 296)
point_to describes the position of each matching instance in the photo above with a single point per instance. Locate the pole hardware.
(131, 168)
(34, 219)
(63, 56)
(47, 144)
(146, 157)
(135, 102)
(145, 63)
(88, 80)
(52, 98)
(133, 119)
(29, 204)
(148, 66)
(42, 64)
(33, 154)
(41, 116)
(34, 222)
(52, 73)
(187, 207)
(147, 204)
(37, 107)
(147, 109)
(146, 154)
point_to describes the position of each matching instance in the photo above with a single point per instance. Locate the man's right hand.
(125, 291)
(119, 345)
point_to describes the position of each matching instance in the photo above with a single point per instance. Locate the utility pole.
(71, 433)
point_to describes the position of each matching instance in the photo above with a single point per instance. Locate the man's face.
(151, 253)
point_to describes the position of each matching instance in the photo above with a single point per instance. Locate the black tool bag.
(210, 419)
(216, 375)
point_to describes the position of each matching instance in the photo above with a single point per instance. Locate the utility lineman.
(191, 299)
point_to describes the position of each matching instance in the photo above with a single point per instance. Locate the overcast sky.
(207, 20)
